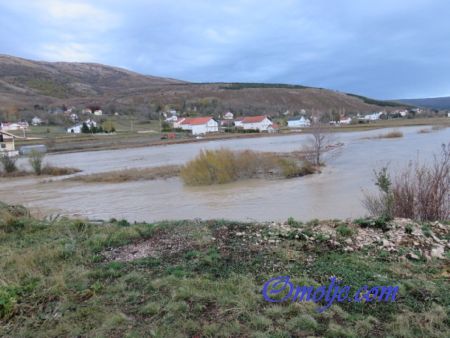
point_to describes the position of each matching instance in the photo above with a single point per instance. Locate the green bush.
(36, 158)
(7, 302)
(344, 230)
(293, 223)
(9, 163)
(377, 223)
(291, 169)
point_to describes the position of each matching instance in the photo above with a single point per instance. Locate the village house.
(259, 123)
(36, 121)
(172, 119)
(299, 122)
(98, 112)
(228, 116)
(7, 144)
(177, 123)
(76, 129)
(345, 120)
(274, 128)
(373, 116)
(5, 126)
(200, 125)
(74, 117)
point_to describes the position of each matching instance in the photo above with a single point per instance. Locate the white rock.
(410, 255)
(437, 251)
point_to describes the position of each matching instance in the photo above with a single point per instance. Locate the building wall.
(211, 127)
(261, 126)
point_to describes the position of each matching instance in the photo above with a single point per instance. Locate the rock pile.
(430, 240)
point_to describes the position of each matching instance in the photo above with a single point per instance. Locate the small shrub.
(36, 159)
(293, 223)
(291, 168)
(313, 222)
(344, 230)
(409, 229)
(123, 223)
(419, 192)
(9, 223)
(377, 223)
(426, 230)
(8, 163)
(392, 134)
(381, 205)
(56, 171)
(7, 302)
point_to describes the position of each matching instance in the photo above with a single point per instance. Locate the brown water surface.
(335, 193)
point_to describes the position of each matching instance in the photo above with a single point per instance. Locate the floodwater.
(335, 193)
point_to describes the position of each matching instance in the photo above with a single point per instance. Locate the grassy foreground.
(69, 278)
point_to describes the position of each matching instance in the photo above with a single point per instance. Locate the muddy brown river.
(335, 193)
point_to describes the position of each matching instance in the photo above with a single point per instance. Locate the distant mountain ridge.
(25, 83)
(430, 103)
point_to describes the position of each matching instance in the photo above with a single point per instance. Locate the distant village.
(92, 120)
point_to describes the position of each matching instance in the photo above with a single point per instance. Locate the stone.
(437, 251)
(386, 243)
(349, 241)
(412, 256)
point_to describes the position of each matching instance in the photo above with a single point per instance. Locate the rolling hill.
(430, 103)
(25, 84)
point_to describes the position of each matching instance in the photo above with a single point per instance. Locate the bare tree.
(319, 142)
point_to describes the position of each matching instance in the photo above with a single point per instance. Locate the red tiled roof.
(196, 120)
(253, 119)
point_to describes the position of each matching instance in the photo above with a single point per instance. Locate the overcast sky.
(383, 48)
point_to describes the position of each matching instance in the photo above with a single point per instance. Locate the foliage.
(225, 166)
(8, 163)
(238, 86)
(344, 230)
(382, 204)
(36, 158)
(378, 102)
(420, 191)
(85, 128)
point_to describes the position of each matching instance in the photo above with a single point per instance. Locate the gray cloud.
(383, 49)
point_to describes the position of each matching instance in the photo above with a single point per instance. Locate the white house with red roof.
(200, 125)
(260, 123)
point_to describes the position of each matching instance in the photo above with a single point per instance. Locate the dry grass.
(225, 166)
(46, 171)
(432, 129)
(391, 134)
(128, 175)
(59, 171)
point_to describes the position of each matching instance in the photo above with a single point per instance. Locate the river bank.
(127, 140)
(204, 278)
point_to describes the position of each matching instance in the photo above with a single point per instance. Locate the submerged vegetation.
(225, 166)
(391, 134)
(62, 277)
(127, 175)
(10, 170)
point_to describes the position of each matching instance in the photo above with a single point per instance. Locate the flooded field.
(335, 193)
